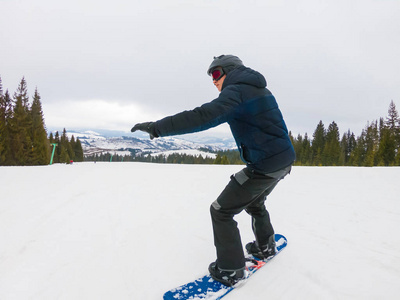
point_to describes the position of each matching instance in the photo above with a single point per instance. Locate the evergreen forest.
(24, 141)
(226, 157)
(377, 145)
(23, 135)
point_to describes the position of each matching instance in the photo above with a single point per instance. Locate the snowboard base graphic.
(207, 288)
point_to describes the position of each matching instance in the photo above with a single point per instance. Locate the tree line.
(226, 157)
(377, 145)
(23, 135)
(107, 156)
(67, 150)
(24, 141)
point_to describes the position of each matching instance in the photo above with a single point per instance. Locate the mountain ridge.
(96, 143)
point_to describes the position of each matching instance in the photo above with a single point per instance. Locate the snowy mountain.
(96, 143)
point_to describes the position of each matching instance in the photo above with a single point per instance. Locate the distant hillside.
(96, 143)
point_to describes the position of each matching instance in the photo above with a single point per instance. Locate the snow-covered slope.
(135, 230)
(93, 142)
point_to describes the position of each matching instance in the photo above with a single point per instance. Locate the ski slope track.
(136, 230)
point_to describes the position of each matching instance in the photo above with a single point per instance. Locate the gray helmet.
(226, 62)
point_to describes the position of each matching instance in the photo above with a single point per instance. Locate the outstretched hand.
(146, 127)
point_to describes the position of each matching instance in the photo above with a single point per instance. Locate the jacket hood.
(244, 75)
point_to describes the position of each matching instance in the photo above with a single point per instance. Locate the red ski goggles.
(217, 73)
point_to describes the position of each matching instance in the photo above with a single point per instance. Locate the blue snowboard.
(207, 288)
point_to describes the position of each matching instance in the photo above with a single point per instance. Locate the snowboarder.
(262, 138)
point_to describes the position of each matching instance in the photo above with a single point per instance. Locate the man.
(262, 138)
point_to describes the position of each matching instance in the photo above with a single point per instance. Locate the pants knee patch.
(241, 177)
(216, 205)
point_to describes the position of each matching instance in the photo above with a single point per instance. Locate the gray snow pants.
(247, 190)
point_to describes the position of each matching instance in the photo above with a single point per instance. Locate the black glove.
(146, 127)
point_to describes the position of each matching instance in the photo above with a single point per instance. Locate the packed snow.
(135, 230)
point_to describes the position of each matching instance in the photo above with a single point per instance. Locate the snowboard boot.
(263, 252)
(228, 278)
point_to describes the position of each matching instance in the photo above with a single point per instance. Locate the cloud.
(96, 113)
(107, 115)
(330, 60)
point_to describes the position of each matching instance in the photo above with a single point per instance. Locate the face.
(218, 83)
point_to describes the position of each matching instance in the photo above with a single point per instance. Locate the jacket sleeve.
(201, 118)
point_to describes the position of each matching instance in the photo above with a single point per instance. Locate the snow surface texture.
(136, 230)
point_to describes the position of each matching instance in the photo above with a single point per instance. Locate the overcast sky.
(110, 64)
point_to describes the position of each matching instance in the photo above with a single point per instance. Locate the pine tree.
(224, 160)
(72, 143)
(371, 144)
(302, 148)
(51, 138)
(65, 148)
(218, 159)
(387, 148)
(389, 138)
(5, 135)
(20, 127)
(347, 144)
(306, 151)
(318, 144)
(343, 149)
(332, 150)
(393, 124)
(357, 157)
(41, 146)
(298, 148)
(392, 120)
(78, 151)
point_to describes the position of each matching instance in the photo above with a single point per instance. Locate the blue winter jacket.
(253, 116)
